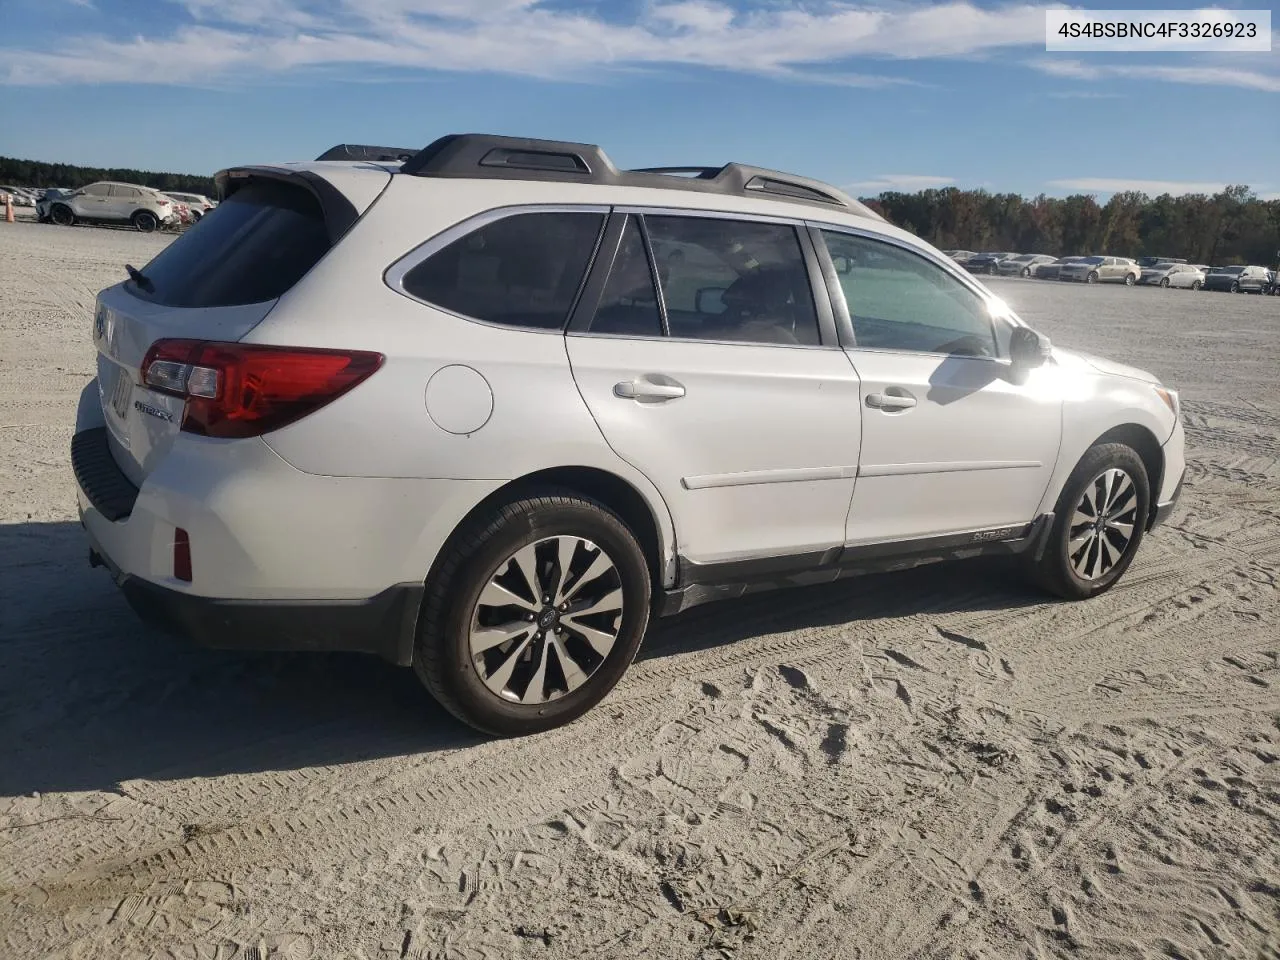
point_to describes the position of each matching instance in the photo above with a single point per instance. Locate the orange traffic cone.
(8, 208)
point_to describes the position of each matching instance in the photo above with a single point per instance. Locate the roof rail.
(358, 151)
(484, 156)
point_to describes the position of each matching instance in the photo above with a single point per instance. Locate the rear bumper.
(384, 625)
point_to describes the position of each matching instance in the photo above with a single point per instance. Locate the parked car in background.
(988, 263)
(20, 196)
(197, 203)
(45, 203)
(267, 367)
(1049, 271)
(960, 256)
(1238, 279)
(1172, 275)
(1102, 270)
(109, 202)
(1024, 264)
(1145, 262)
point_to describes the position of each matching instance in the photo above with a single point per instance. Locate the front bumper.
(1162, 510)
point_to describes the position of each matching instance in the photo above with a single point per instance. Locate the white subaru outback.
(485, 407)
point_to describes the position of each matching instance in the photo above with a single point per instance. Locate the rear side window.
(521, 271)
(254, 247)
(629, 303)
(129, 193)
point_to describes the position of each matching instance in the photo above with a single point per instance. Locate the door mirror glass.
(843, 265)
(1028, 348)
(709, 300)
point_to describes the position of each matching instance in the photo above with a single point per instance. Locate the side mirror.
(1028, 348)
(843, 265)
(709, 300)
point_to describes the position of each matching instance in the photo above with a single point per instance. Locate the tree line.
(34, 173)
(1233, 226)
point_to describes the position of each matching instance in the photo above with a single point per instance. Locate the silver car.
(1102, 270)
(1182, 275)
(1024, 264)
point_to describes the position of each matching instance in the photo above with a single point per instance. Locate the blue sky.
(869, 95)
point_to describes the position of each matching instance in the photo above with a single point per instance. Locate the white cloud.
(904, 182)
(1199, 75)
(813, 41)
(1151, 187)
(250, 38)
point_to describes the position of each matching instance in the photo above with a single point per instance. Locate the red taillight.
(181, 555)
(243, 390)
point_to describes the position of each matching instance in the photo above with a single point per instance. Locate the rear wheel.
(1196, 284)
(62, 215)
(145, 221)
(1235, 286)
(533, 614)
(1026, 271)
(1098, 523)
(1164, 281)
(1092, 277)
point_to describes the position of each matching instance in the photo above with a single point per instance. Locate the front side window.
(523, 270)
(733, 280)
(901, 301)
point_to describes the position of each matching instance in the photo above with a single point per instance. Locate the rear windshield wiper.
(138, 277)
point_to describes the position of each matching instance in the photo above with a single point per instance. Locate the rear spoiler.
(359, 151)
(339, 213)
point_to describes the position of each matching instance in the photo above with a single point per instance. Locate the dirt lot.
(939, 763)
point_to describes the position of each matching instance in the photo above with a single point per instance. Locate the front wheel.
(1164, 282)
(62, 215)
(1196, 284)
(1093, 277)
(1026, 271)
(1128, 279)
(1235, 286)
(1097, 525)
(533, 614)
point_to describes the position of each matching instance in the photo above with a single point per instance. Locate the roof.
(484, 156)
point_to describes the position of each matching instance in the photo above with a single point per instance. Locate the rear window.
(254, 247)
(521, 271)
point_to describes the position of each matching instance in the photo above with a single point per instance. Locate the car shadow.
(91, 698)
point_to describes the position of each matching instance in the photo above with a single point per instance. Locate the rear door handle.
(650, 388)
(890, 401)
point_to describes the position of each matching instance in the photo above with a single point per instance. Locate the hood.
(1070, 358)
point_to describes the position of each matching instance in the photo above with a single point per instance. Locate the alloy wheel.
(546, 620)
(1103, 524)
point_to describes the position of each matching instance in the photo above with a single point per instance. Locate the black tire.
(1196, 284)
(442, 657)
(1235, 286)
(1026, 272)
(1092, 277)
(1129, 280)
(1164, 282)
(144, 221)
(62, 215)
(1054, 570)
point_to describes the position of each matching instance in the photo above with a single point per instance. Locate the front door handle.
(890, 401)
(650, 388)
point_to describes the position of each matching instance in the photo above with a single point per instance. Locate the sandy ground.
(938, 763)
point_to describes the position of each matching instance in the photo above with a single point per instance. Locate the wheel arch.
(621, 496)
(1148, 448)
